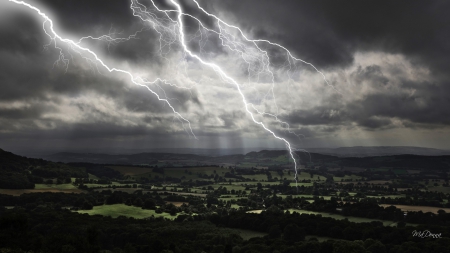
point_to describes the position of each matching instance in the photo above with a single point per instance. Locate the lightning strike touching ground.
(172, 37)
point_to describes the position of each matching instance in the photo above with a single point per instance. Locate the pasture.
(424, 209)
(339, 217)
(18, 192)
(117, 210)
(65, 188)
(248, 234)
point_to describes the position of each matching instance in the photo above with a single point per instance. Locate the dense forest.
(52, 229)
(204, 208)
(17, 172)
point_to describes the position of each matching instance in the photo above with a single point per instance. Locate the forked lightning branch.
(169, 26)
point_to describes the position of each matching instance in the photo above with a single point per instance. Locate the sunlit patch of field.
(116, 184)
(254, 183)
(183, 193)
(229, 187)
(127, 190)
(379, 181)
(117, 210)
(18, 192)
(91, 177)
(424, 209)
(347, 177)
(389, 196)
(339, 217)
(248, 234)
(231, 197)
(55, 186)
(176, 203)
(183, 173)
(294, 184)
(442, 189)
(321, 238)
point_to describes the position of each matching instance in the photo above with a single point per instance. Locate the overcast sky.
(385, 63)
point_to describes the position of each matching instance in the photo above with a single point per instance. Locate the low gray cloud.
(387, 62)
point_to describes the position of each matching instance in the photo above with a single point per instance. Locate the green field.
(192, 173)
(92, 177)
(294, 184)
(347, 177)
(389, 196)
(400, 171)
(117, 210)
(106, 185)
(442, 189)
(247, 234)
(320, 238)
(340, 217)
(55, 186)
(350, 218)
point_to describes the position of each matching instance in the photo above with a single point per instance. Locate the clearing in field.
(424, 209)
(339, 217)
(18, 192)
(248, 234)
(442, 189)
(175, 203)
(117, 210)
(55, 186)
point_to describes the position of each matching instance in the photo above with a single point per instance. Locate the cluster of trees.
(101, 171)
(48, 229)
(17, 172)
(15, 180)
(370, 209)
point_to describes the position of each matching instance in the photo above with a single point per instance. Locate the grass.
(389, 196)
(92, 177)
(55, 186)
(418, 208)
(442, 189)
(340, 217)
(117, 210)
(18, 192)
(248, 234)
(117, 184)
(320, 238)
(350, 218)
(231, 197)
(293, 184)
(137, 172)
(346, 177)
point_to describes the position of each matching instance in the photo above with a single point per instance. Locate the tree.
(138, 202)
(348, 247)
(374, 246)
(292, 233)
(149, 204)
(87, 205)
(274, 232)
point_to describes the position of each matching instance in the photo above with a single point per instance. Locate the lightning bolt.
(171, 33)
(75, 46)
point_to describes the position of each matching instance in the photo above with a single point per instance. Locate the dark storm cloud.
(328, 33)
(375, 111)
(29, 111)
(87, 16)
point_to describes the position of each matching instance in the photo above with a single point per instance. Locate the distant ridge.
(364, 151)
(356, 151)
(165, 154)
